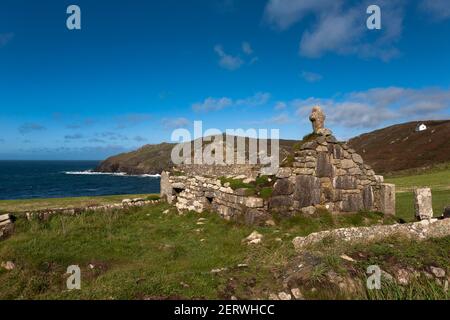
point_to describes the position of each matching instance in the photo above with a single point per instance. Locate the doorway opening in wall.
(210, 199)
(178, 191)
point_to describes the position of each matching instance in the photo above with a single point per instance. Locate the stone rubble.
(254, 238)
(425, 229)
(8, 265)
(6, 226)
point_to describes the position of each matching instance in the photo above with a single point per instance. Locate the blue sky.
(138, 69)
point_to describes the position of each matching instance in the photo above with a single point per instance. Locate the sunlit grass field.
(155, 253)
(438, 179)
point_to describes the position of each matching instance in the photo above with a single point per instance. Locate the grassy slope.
(144, 253)
(13, 206)
(438, 179)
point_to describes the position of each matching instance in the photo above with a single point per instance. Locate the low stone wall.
(247, 170)
(127, 203)
(425, 229)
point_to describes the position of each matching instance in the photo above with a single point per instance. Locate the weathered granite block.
(368, 198)
(307, 191)
(352, 203)
(423, 203)
(282, 187)
(387, 198)
(324, 167)
(345, 182)
(280, 202)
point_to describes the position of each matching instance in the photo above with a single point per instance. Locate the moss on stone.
(266, 193)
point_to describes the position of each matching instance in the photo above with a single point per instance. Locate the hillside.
(394, 148)
(400, 147)
(150, 159)
(153, 159)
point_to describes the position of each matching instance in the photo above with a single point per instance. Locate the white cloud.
(340, 27)
(280, 105)
(440, 9)
(216, 104)
(212, 104)
(228, 61)
(259, 99)
(285, 13)
(374, 107)
(76, 136)
(280, 119)
(171, 123)
(5, 38)
(30, 127)
(311, 76)
(247, 48)
(132, 119)
(139, 139)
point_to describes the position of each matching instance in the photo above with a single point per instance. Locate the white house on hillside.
(421, 127)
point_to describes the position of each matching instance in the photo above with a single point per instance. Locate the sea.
(58, 179)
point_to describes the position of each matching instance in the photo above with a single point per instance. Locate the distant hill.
(150, 159)
(401, 147)
(394, 148)
(153, 159)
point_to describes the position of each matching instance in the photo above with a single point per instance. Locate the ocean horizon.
(40, 179)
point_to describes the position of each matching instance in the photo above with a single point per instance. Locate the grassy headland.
(14, 206)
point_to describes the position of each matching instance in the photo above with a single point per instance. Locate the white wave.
(120, 174)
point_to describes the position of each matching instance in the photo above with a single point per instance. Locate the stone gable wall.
(324, 173)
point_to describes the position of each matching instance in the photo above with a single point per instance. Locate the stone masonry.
(322, 173)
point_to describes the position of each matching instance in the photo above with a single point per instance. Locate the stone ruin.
(6, 225)
(321, 173)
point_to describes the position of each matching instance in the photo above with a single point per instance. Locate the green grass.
(236, 183)
(390, 256)
(438, 179)
(14, 206)
(143, 252)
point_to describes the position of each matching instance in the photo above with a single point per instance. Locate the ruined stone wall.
(329, 173)
(6, 225)
(323, 173)
(201, 193)
(247, 170)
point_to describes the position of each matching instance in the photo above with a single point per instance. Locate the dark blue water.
(56, 179)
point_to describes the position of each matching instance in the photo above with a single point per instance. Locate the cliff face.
(401, 147)
(150, 159)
